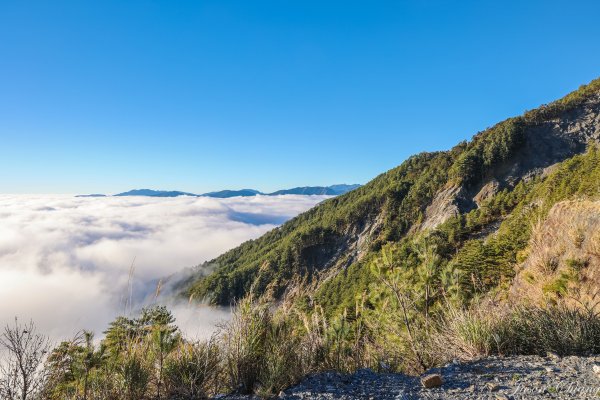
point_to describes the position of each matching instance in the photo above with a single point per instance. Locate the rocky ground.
(522, 377)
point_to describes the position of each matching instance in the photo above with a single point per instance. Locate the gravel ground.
(498, 378)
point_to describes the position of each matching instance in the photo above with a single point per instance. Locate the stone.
(493, 387)
(432, 381)
(596, 369)
(487, 191)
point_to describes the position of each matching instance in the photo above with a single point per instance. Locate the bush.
(134, 372)
(483, 331)
(558, 329)
(264, 353)
(464, 334)
(244, 344)
(193, 371)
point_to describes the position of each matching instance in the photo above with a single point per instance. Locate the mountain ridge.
(331, 243)
(333, 190)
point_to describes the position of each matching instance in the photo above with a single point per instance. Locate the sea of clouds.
(65, 261)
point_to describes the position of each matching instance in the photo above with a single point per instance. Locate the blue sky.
(105, 96)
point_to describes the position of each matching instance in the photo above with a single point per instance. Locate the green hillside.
(337, 237)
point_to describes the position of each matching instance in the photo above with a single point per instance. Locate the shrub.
(134, 374)
(193, 371)
(263, 352)
(464, 334)
(558, 329)
(244, 344)
(482, 331)
(283, 360)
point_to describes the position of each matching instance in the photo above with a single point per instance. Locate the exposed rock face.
(546, 144)
(551, 141)
(332, 257)
(354, 242)
(487, 191)
(446, 204)
(364, 235)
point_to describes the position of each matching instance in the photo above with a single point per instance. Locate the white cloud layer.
(65, 261)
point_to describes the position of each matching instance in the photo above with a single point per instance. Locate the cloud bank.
(65, 261)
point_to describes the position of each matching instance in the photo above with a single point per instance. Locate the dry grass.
(262, 351)
(464, 334)
(266, 350)
(482, 331)
(563, 260)
(194, 371)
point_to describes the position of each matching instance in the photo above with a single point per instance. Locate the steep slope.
(463, 194)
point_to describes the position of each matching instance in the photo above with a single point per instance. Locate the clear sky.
(105, 96)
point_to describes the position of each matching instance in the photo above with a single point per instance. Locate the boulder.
(493, 387)
(432, 381)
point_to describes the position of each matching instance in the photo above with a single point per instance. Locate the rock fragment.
(493, 387)
(432, 381)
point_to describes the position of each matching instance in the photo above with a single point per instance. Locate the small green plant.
(576, 263)
(529, 277)
(559, 287)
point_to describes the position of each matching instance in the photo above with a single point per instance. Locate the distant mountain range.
(223, 194)
(332, 190)
(154, 193)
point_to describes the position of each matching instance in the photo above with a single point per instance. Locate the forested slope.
(458, 198)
